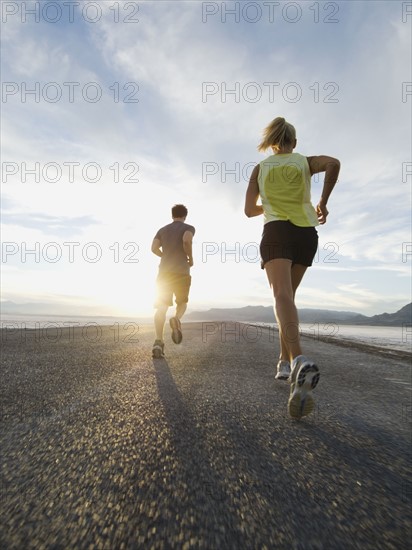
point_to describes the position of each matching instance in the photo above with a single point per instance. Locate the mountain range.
(251, 314)
(265, 314)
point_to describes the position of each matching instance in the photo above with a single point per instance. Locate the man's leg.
(180, 310)
(181, 291)
(159, 321)
(164, 300)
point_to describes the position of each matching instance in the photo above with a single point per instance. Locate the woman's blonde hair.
(277, 134)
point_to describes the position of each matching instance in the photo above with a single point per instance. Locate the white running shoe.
(283, 370)
(303, 379)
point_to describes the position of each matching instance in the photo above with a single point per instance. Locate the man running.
(173, 244)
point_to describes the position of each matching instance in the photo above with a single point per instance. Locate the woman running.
(289, 243)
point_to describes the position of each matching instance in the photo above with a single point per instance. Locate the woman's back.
(284, 187)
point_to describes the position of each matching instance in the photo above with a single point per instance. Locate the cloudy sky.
(114, 111)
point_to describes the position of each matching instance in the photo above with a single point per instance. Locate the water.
(27, 321)
(395, 338)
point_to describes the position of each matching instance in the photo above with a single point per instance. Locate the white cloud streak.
(173, 130)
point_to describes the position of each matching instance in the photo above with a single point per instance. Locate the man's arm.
(187, 246)
(331, 167)
(156, 244)
(252, 195)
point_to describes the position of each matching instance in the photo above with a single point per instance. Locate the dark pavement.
(104, 447)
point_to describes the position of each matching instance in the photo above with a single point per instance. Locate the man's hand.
(322, 213)
(187, 246)
(156, 244)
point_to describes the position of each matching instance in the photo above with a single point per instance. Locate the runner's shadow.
(185, 433)
(197, 483)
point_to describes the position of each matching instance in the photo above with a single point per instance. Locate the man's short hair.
(179, 211)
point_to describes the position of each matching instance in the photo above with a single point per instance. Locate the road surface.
(104, 447)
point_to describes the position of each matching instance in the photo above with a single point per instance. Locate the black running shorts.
(283, 239)
(169, 284)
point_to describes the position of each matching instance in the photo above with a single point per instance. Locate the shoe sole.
(301, 401)
(282, 377)
(176, 332)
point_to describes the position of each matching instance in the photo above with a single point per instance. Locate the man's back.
(174, 258)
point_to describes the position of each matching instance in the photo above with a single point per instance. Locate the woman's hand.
(322, 213)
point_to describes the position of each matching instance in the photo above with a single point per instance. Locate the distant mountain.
(254, 314)
(401, 317)
(251, 314)
(248, 313)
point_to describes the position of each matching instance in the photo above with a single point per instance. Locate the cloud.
(174, 130)
(49, 225)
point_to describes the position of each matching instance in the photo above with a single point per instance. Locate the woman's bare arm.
(331, 167)
(252, 195)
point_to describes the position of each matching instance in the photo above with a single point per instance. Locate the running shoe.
(303, 379)
(176, 330)
(158, 350)
(283, 370)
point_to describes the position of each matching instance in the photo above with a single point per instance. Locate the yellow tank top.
(284, 187)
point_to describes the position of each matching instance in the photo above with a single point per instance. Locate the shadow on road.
(199, 486)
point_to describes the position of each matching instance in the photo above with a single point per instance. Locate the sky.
(112, 112)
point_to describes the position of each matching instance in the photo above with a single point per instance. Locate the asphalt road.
(104, 447)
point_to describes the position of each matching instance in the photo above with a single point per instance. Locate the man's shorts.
(169, 284)
(283, 239)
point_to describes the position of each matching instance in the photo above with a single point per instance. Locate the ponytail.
(277, 134)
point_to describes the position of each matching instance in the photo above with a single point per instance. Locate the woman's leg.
(284, 280)
(304, 376)
(297, 272)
